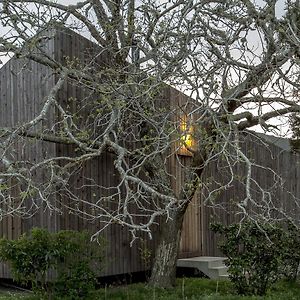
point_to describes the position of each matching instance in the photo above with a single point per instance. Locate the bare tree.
(237, 61)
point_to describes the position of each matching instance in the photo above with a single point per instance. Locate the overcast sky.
(254, 38)
(279, 12)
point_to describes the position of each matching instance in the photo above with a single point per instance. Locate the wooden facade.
(23, 85)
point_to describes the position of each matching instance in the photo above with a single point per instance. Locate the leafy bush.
(68, 254)
(75, 283)
(255, 254)
(291, 255)
(77, 259)
(29, 257)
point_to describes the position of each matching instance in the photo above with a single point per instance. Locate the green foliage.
(295, 144)
(291, 254)
(294, 122)
(76, 282)
(76, 277)
(3, 187)
(69, 254)
(29, 257)
(186, 289)
(256, 253)
(195, 289)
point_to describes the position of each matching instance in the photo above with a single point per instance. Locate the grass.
(186, 289)
(196, 289)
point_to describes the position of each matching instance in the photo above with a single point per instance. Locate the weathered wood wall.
(23, 85)
(120, 256)
(272, 162)
(22, 88)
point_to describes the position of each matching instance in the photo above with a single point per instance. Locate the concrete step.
(222, 270)
(217, 262)
(213, 267)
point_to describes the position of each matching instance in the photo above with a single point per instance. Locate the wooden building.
(22, 87)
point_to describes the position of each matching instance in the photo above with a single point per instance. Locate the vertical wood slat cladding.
(190, 245)
(284, 163)
(22, 89)
(21, 84)
(121, 257)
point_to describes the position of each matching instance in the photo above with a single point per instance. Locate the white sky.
(254, 38)
(279, 12)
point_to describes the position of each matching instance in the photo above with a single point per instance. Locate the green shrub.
(68, 254)
(29, 256)
(255, 255)
(77, 282)
(291, 254)
(76, 264)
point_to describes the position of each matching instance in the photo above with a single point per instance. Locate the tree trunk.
(164, 269)
(165, 261)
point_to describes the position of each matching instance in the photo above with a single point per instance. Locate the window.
(187, 142)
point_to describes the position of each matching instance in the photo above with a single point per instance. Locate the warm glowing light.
(186, 139)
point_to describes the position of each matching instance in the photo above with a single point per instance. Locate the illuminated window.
(187, 142)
